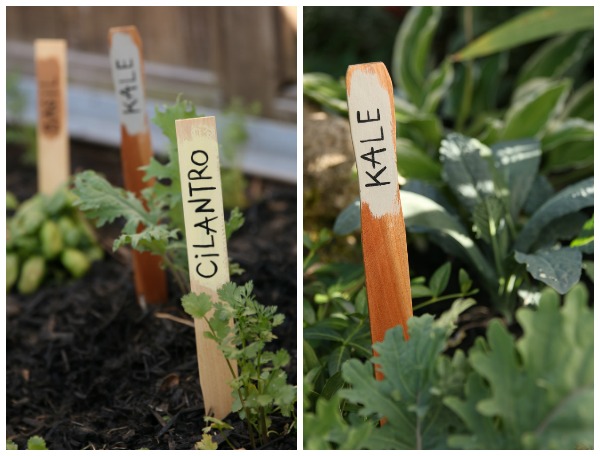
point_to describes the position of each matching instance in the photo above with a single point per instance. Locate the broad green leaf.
(409, 395)
(466, 168)
(487, 83)
(530, 26)
(411, 51)
(569, 200)
(557, 351)
(536, 393)
(534, 104)
(414, 163)
(564, 228)
(516, 163)
(348, 220)
(326, 91)
(541, 191)
(581, 103)
(558, 268)
(577, 296)
(484, 433)
(439, 279)
(570, 130)
(422, 213)
(436, 86)
(572, 155)
(556, 57)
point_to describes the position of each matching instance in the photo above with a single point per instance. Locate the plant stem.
(443, 298)
(234, 375)
(175, 272)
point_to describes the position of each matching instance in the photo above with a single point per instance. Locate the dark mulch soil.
(87, 368)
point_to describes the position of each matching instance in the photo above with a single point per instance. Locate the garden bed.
(87, 368)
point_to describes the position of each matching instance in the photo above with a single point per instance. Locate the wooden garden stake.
(52, 132)
(136, 149)
(206, 246)
(373, 127)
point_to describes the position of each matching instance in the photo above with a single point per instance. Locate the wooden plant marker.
(207, 247)
(52, 132)
(373, 127)
(127, 68)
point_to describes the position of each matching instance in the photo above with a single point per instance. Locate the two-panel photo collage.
(292, 227)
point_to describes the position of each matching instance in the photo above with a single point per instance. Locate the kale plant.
(506, 219)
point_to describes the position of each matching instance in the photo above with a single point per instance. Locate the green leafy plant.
(512, 219)
(47, 238)
(260, 388)
(159, 211)
(495, 158)
(336, 323)
(532, 393)
(551, 98)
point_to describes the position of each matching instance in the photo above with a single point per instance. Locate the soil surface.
(87, 368)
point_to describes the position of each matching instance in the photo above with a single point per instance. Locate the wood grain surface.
(373, 127)
(127, 68)
(206, 241)
(52, 130)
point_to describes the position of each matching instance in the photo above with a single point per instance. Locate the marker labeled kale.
(373, 127)
(373, 137)
(126, 65)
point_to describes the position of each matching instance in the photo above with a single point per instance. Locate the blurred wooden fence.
(210, 54)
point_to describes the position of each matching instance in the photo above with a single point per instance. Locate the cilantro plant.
(260, 387)
(535, 392)
(159, 211)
